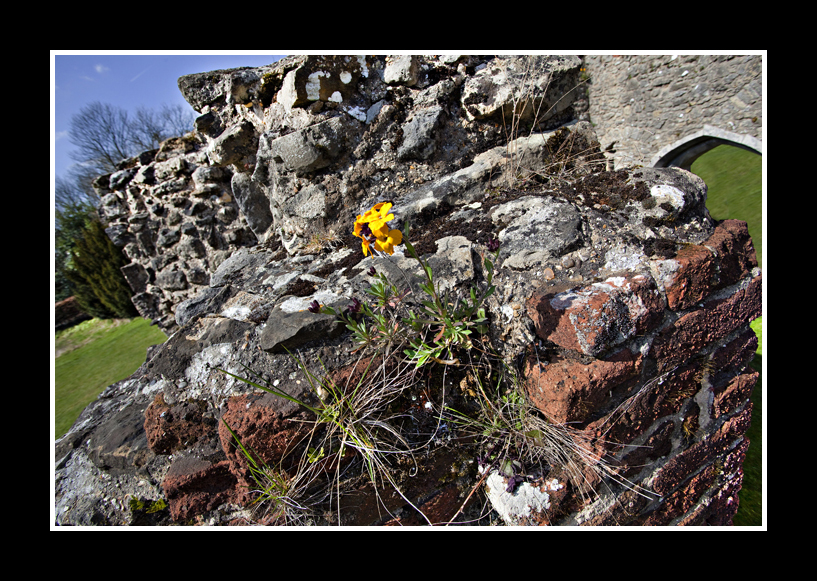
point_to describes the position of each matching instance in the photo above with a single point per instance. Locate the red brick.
(736, 253)
(709, 324)
(679, 502)
(688, 277)
(654, 401)
(193, 486)
(726, 257)
(170, 428)
(569, 391)
(733, 357)
(262, 428)
(734, 394)
(597, 317)
(723, 504)
(690, 460)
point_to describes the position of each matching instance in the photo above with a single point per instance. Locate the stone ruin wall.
(626, 304)
(640, 104)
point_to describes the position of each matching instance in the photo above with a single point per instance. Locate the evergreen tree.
(71, 220)
(99, 286)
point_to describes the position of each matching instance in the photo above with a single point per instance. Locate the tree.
(99, 286)
(102, 134)
(86, 262)
(105, 135)
(71, 219)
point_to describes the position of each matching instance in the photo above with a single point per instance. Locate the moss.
(146, 506)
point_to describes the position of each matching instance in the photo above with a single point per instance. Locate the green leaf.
(315, 455)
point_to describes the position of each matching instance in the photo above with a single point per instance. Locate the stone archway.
(685, 151)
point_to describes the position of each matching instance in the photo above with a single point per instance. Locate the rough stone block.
(194, 486)
(290, 330)
(736, 253)
(174, 427)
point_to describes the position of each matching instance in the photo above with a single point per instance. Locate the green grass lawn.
(735, 190)
(96, 354)
(735, 183)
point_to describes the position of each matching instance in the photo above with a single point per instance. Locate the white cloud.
(59, 135)
(101, 69)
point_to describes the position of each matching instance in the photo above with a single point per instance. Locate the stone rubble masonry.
(640, 103)
(642, 354)
(176, 218)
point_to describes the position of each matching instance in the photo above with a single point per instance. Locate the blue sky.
(127, 81)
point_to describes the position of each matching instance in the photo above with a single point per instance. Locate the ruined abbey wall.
(621, 307)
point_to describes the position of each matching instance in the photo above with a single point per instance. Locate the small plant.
(438, 326)
(349, 418)
(284, 495)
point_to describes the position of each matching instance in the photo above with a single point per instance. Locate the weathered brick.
(569, 391)
(736, 253)
(732, 396)
(696, 271)
(687, 278)
(709, 324)
(262, 427)
(170, 428)
(600, 316)
(658, 444)
(721, 508)
(195, 485)
(690, 460)
(653, 401)
(732, 358)
(679, 502)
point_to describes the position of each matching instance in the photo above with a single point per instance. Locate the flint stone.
(321, 78)
(175, 358)
(112, 207)
(171, 280)
(208, 175)
(555, 225)
(418, 134)
(207, 301)
(243, 268)
(202, 89)
(304, 151)
(287, 331)
(120, 179)
(166, 170)
(402, 70)
(235, 143)
(506, 85)
(168, 237)
(469, 183)
(121, 442)
(251, 197)
(136, 276)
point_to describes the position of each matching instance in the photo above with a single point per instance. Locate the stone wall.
(621, 309)
(175, 217)
(640, 104)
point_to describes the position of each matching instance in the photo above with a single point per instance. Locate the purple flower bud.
(354, 307)
(314, 307)
(493, 244)
(371, 271)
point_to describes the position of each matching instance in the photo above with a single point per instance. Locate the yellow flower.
(387, 243)
(372, 228)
